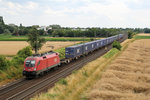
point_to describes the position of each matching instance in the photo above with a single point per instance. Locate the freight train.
(38, 64)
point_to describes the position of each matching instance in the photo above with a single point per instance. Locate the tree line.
(58, 31)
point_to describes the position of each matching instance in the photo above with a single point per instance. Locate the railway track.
(27, 88)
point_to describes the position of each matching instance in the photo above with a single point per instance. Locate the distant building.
(42, 28)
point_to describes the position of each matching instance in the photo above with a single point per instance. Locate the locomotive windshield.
(30, 63)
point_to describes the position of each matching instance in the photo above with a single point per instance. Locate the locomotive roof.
(43, 54)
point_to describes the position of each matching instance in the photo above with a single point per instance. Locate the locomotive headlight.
(34, 69)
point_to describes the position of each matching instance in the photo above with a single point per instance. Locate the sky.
(77, 13)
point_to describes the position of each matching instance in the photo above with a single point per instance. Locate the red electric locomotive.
(38, 64)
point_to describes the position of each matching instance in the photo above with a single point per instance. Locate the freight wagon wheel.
(106, 48)
(68, 61)
(76, 58)
(59, 65)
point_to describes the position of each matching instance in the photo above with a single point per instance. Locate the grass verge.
(80, 80)
(142, 37)
(10, 74)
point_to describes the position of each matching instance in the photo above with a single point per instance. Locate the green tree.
(35, 40)
(41, 31)
(116, 45)
(55, 26)
(6, 31)
(130, 34)
(1, 20)
(1, 29)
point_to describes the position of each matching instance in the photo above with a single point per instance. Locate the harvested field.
(12, 47)
(144, 34)
(127, 77)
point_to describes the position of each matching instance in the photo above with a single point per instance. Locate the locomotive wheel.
(42, 73)
(55, 68)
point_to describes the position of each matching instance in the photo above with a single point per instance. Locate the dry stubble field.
(127, 77)
(144, 34)
(12, 47)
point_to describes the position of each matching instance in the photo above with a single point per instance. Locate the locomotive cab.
(30, 67)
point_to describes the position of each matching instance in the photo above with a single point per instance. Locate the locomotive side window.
(30, 63)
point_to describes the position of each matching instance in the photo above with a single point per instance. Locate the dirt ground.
(12, 47)
(144, 34)
(127, 77)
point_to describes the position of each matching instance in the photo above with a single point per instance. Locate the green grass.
(62, 81)
(24, 38)
(142, 37)
(111, 53)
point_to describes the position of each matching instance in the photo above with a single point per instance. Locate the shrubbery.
(4, 63)
(21, 55)
(131, 34)
(25, 52)
(13, 68)
(117, 45)
(61, 52)
(17, 60)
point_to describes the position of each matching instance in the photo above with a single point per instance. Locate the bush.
(131, 34)
(61, 52)
(21, 55)
(16, 61)
(4, 63)
(25, 52)
(117, 45)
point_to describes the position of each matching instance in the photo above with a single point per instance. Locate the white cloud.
(82, 13)
(32, 5)
(51, 12)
